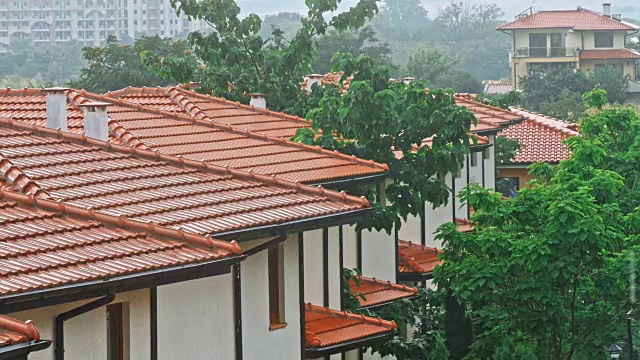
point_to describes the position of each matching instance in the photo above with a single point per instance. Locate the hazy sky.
(511, 7)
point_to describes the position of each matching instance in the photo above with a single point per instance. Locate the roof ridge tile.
(13, 175)
(347, 315)
(27, 328)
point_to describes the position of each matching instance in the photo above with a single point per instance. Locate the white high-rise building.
(88, 21)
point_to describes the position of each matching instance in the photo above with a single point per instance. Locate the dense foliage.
(547, 273)
(116, 66)
(558, 93)
(387, 122)
(236, 60)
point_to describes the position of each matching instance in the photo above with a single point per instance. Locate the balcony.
(545, 52)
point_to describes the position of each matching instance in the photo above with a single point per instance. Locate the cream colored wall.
(411, 230)
(460, 183)
(86, 335)
(259, 342)
(589, 40)
(574, 39)
(196, 319)
(436, 217)
(350, 251)
(521, 173)
(313, 275)
(490, 165)
(475, 172)
(629, 67)
(378, 255)
(335, 272)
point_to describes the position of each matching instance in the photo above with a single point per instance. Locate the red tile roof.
(609, 54)
(14, 331)
(143, 185)
(45, 243)
(325, 327)
(231, 134)
(581, 19)
(417, 259)
(378, 292)
(541, 138)
(171, 123)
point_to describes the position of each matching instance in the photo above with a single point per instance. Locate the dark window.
(276, 287)
(474, 159)
(486, 154)
(604, 39)
(508, 186)
(115, 332)
(538, 45)
(558, 43)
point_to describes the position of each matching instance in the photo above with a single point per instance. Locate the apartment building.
(581, 38)
(89, 22)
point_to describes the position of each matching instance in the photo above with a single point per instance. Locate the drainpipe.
(61, 318)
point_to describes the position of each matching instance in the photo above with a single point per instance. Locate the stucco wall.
(335, 272)
(520, 173)
(259, 342)
(589, 39)
(378, 255)
(629, 67)
(350, 250)
(460, 183)
(490, 165)
(475, 172)
(196, 319)
(436, 217)
(313, 275)
(86, 335)
(411, 230)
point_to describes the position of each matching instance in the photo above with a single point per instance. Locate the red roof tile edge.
(548, 121)
(513, 24)
(13, 175)
(389, 284)
(28, 328)
(410, 261)
(198, 117)
(178, 160)
(313, 341)
(188, 237)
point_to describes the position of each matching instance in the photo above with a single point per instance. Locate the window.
(558, 42)
(276, 287)
(486, 154)
(459, 174)
(604, 39)
(115, 332)
(508, 186)
(538, 45)
(474, 159)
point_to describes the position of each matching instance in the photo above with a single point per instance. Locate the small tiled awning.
(377, 293)
(464, 225)
(417, 261)
(17, 338)
(609, 54)
(329, 331)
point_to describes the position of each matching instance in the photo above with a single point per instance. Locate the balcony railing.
(545, 52)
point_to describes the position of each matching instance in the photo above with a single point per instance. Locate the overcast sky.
(511, 7)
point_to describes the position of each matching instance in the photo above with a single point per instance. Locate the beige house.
(583, 39)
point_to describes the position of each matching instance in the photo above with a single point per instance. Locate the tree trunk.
(459, 332)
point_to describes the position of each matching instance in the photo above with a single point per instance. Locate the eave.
(320, 352)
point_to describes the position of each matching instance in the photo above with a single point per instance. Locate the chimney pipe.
(258, 101)
(313, 79)
(56, 108)
(407, 80)
(606, 9)
(96, 120)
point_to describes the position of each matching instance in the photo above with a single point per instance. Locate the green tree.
(429, 63)
(387, 122)
(548, 272)
(400, 20)
(361, 42)
(460, 82)
(287, 22)
(611, 79)
(116, 66)
(236, 60)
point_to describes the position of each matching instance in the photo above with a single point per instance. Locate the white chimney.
(56, 108)
(606, 9)
(407, 80)
(258, 100)
(313, 79)
(96, 120)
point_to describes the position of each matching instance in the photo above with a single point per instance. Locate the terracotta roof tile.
(609, 54)
(378, 292)
(45, 244)
(541, 138)
(417, 259)
(497, 88)
(145, 186)
(14, 331)
(581, 19)
(325, 327)
(225, 130)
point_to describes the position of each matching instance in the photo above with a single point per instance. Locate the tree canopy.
(548, 272)
(116, 66)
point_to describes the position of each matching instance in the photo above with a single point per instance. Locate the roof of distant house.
(144, 186)
(580, 19)
(260, 140)
(541, 138)
(325, 327)
(493, 88)
(178, 122)
(13, 331)
(607, 54)
(378, 292)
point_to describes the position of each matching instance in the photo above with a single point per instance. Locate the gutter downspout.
(61, 318)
